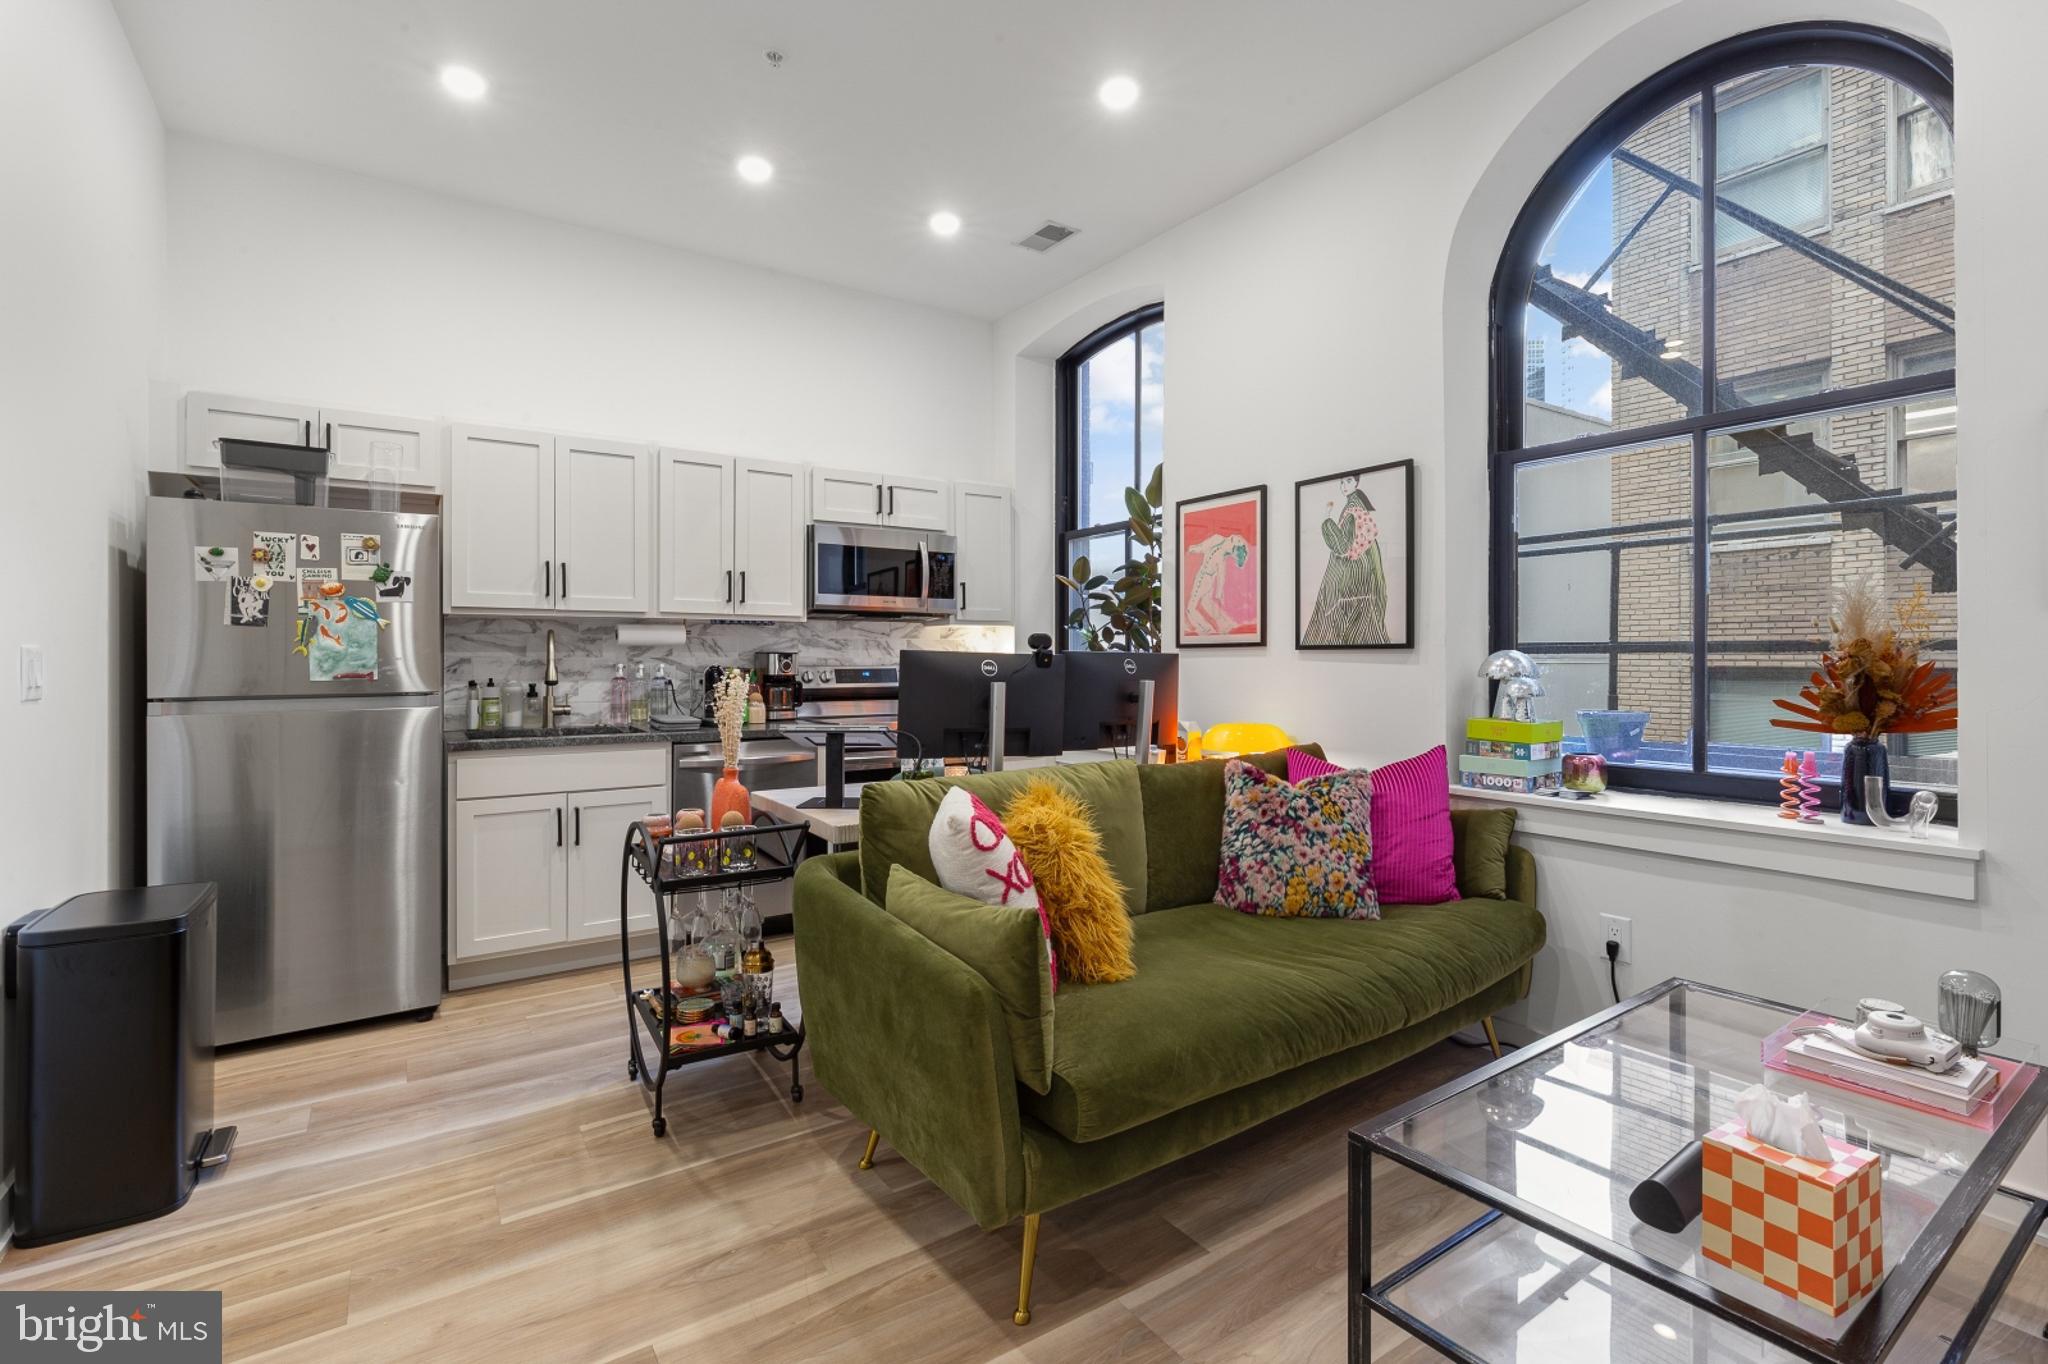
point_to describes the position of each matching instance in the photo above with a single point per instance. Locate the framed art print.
(1354, 559)
(1220, 569)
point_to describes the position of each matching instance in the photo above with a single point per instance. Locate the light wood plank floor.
(486, 1187)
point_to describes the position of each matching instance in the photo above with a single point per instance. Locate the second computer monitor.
(1102, 698)
(942, 702)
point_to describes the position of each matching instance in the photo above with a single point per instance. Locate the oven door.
(866, 570)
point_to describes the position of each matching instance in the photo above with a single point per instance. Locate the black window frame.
(1926, 70)
(1067, 445)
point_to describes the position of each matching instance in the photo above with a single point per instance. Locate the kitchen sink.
(558, 732)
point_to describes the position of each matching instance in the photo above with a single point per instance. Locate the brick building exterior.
(1825, 152)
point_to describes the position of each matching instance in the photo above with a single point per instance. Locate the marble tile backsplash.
(513, 649)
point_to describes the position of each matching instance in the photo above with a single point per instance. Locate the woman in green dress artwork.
(1351, 605)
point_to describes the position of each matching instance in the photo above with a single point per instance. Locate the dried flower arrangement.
(1872, 680)
(729, 704)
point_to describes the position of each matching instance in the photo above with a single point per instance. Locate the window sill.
(1747, 836)
(1933, 196)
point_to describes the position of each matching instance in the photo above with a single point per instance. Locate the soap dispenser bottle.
(619, 708)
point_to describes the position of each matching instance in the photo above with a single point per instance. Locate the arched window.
(1112, 441)
(1705, 426)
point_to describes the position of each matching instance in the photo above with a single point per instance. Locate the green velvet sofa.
(916, 1043)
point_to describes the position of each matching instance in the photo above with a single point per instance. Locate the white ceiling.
(627, 114)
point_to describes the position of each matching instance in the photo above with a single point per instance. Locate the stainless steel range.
(858, 700)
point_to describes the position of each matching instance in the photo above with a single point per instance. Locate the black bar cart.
(697, 862)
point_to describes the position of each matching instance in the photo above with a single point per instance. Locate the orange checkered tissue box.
(1814, 1232)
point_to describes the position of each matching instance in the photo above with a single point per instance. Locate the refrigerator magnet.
(395, 587)
(278, 553)
(309, 548)
(246, 604)
(358, 555)
(215, 563)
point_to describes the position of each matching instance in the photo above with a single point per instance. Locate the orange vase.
(729, 794)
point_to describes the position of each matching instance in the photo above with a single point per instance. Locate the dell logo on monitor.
(988, 667)
(1130, 667)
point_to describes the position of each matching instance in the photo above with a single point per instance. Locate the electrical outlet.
(1614, 928)
(31, 672)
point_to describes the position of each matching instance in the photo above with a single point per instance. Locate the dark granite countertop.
(583, 734)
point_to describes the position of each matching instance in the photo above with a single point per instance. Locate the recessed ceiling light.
(944, 223)
(1118, 92)
(755, 170)
(463, 83)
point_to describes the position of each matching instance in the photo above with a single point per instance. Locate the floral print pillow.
(1300, 851)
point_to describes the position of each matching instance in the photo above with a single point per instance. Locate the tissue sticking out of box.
(1788, 1124)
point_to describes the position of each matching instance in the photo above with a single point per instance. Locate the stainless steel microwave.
(881, 571)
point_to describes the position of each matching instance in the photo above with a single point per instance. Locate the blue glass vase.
(1864, 758)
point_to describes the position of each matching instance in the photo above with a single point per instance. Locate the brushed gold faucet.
(551, 679)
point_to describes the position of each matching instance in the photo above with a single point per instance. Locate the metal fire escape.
(1917, 533)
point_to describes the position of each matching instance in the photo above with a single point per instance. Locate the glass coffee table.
(1546, 1144)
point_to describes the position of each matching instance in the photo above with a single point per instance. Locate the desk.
(839, 830)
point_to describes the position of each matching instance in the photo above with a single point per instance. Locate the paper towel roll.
(645, 634)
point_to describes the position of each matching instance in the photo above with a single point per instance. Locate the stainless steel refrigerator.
(299, 768)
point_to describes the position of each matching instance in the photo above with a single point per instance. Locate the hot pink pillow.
(1412, 860)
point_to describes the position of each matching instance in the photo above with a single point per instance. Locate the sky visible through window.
(1575, 374)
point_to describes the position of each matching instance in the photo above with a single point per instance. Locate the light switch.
(31, 672)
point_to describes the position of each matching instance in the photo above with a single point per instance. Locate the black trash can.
(110, 1059)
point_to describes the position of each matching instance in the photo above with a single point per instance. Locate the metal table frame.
(1867, 1340)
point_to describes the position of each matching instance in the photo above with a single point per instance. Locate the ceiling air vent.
(1047, 237)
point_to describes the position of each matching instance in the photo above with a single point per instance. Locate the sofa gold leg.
(1492, 1037)
(1023, 1314)
(867, 1157)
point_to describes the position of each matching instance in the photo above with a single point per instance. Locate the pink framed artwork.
(1220, 569)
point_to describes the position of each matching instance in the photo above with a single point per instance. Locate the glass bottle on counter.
(530, 717)
(619, 707)
(491, 711)
(637, 703)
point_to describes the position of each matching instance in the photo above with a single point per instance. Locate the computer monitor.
(942, 701)
(1102, 698)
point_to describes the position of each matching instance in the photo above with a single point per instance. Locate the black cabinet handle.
(579, 826)
(547, 577)
(565, 580)
(878, 499)
(328, 435)
(307, 439)
(728, 584)
(558, 826)
(743, 587)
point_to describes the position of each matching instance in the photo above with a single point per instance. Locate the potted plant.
(1872, 682)
(1122, 613)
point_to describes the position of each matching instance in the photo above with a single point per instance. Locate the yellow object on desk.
(1233, 737)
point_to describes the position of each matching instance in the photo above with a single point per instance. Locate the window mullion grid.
(1709, 406)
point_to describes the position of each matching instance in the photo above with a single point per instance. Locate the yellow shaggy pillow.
(1084, 904)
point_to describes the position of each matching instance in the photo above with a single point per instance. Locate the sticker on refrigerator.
(309, 549)
(311, 576)
(359, 554)
(394, 587)
(215, 563)
(248, 603)
(275, 552)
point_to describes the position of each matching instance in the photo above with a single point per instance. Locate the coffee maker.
(781, 692)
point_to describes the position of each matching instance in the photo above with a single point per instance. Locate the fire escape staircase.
(1916, 533)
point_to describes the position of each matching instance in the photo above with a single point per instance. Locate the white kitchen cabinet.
(917, 503)
(604, 498)
(366, 443)
(500, 519)
(768, 540)
(694, 539)
(211, 416)
(986, 570)
(852, 498)
(846, 496)
(598, 821)
(510, 874)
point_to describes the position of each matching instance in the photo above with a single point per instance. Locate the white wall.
(81, 265)
(299, 282)
(1334, 316)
